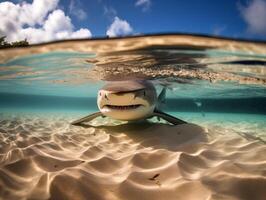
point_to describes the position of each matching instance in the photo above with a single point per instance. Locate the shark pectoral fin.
(87, 118)
(169, 118)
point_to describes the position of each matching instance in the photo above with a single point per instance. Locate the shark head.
(127, 100)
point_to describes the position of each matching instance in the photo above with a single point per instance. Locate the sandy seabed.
(43, 158)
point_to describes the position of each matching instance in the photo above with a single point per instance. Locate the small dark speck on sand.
(154, 177)
(55, 166)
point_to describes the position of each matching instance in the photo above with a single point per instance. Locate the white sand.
(50, 159)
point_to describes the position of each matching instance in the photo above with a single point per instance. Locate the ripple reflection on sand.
(50, 159)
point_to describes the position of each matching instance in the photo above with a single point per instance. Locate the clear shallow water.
(199, 78)
(217, 84)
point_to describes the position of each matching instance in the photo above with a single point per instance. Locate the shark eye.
(100, 94)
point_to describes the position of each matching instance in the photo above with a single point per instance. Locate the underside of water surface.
(217, 85)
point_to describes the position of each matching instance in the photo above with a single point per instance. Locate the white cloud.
(145, 4)
(75, 9)
(254, 15)
(38, 22)
(81, 33)
(57, 21)
(119, 27)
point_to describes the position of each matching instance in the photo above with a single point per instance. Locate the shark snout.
(119, 99)
(119, 95)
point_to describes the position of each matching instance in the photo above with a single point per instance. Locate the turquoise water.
(35, 74)
(67, 82)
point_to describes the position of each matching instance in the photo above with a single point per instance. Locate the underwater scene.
(216, 85)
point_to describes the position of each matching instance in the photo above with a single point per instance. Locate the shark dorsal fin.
(161, 99)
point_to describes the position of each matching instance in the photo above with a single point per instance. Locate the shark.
(131, 100)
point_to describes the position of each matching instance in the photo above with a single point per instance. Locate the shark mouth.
(123, 107)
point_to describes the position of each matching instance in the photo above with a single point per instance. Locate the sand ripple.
(50, 159)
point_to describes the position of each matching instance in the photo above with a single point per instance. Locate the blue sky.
(46, 20)
(168, 16)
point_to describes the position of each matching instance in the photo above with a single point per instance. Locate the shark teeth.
(124, 107)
